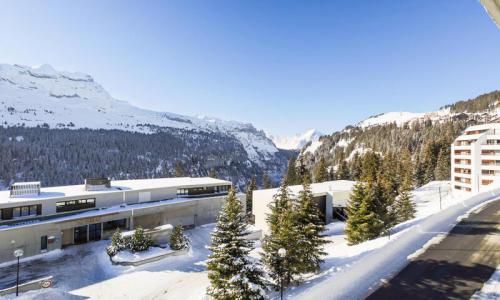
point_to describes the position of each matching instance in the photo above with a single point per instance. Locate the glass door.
(81, 234)
(95, 232)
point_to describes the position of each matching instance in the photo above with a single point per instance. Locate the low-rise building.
(331, 197)
(475, 159)
(42, 219)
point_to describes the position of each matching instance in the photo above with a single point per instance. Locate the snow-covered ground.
(491, 289)
(349, 272)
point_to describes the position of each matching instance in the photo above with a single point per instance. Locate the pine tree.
(370, 167)
(356, 167)
(232, 273)
(178, 171)
(443, 165)
(283, 233)
(342, 171)
(310, 226)
(374, 211)
(404, 207)
(354, 218)
(117, 243)
(291, 174)
(321, 172)
(266, 182)
(140, 241)
(252, 186)
(178, 240)
(302, 169)
(419, 172)
(213, 173)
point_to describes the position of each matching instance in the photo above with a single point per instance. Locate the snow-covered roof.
(116, 185)
(319, 188)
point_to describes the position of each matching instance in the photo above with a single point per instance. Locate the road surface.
(456, 267)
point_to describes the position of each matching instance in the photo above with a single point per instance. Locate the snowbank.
(491, 288)
(128, 256)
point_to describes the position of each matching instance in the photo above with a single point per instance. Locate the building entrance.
(95, 232)
(80, 234)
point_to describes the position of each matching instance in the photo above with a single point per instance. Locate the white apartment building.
(475, 159)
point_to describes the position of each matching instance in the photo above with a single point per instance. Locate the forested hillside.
(64, 156)
(426, 137)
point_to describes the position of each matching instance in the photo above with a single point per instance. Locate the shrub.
(117, 243)
(140, 241)
(178, 240)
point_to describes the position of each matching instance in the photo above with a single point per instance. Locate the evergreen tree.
(404, 207)
(302, 169)
(443, 165)
(117, 243)
(419, 172)
(342, 171)
(213, 173)
(310, 225)
(266, 182)
(232, 273)
(354, 218)
(179, 170)
(140, 241)
(370, 167)
(356, 167)
(178, 240)
(252, 186)
(283, 233)
(292, 177)
(321, 171)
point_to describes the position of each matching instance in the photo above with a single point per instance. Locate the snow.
(297, 141)
(353, 271)
(313, 147)
(391, 117)
(33, 96)
(128, 256)
(491, 288)
(116, 186)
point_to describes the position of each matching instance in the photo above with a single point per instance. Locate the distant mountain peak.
(296, 141)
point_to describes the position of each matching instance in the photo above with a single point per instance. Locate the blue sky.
(285, 66)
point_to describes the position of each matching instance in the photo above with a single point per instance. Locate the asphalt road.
(456, 267)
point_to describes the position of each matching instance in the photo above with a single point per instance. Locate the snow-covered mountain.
(43, 96)
(297, 141)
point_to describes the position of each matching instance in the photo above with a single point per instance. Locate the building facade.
(475, 159)
(43, 219)
(330, 197)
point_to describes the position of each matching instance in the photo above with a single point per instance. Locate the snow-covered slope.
(297, 141)
(42, 96)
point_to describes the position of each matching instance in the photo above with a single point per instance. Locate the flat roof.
(319, 188)
(116, 186)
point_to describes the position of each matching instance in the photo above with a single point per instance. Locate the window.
(112, 225)
(204, 190)
(20, 212)
(43, 243)
(71, 205)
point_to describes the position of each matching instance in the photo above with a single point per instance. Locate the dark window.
(71, 205)
(20, 211)
(80, 234)
(43, 243)
(95, 232)
(112, 225)
(204, 190)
